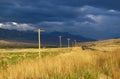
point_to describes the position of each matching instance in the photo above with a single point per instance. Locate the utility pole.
(39, 41)
(72, 44)
(60, 39)
(68, 42)
(75, 42)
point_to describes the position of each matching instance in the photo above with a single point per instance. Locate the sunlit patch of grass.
(16, 57)
(73, 63)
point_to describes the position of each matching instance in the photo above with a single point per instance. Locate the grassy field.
(61, 63)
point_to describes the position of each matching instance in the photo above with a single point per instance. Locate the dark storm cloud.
(92, 18)
(32, 11)
(110, 4)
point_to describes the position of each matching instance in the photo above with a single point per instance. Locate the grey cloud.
(97, 23)
(18, 26)
(40, 11)
(74, 16)
(29, 11)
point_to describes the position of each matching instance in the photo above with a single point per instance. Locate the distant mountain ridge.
(46, 38)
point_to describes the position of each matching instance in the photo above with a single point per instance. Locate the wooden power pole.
(60, 39)
(68, 42)
(39, 41)
(75, 42)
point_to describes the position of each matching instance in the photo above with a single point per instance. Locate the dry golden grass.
(74, 64)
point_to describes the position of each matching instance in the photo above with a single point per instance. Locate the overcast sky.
(91, 18)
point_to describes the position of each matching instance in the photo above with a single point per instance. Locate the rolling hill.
(101, 43)
(49, 39)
